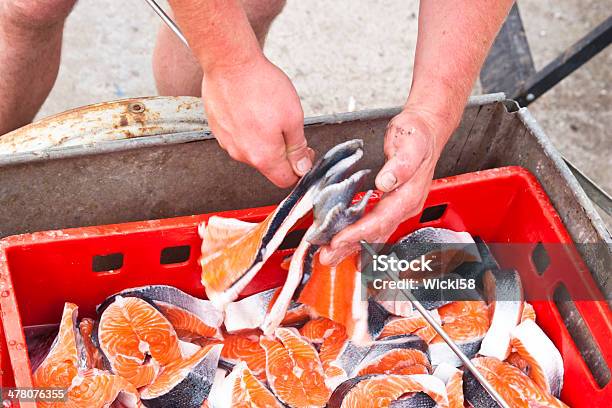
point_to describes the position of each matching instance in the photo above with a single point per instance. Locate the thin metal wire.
(451, 343)
(168, 20)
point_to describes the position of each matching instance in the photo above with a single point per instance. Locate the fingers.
(298, 153)
(378, 224)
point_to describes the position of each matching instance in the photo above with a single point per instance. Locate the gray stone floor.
(350, 53)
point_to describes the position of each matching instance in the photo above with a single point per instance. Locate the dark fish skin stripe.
(475, 394)
(318, 171)
(306, 269)
(419, 400)
(377, 317)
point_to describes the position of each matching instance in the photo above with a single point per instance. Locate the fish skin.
(193, 389)
(248, 313)
(442, 353)
(202, 308)
(418, 400)
(505, 295)
(453, 379)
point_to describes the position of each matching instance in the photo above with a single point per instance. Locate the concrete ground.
(350, 54)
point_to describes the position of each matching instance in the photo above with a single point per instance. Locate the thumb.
(298, 153)
(396, 171)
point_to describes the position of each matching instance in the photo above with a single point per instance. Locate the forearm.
(453, 40)
(218, 32)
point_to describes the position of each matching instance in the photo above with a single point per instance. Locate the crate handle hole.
(109, 262)
(581, 335)
(433, 213)
(540, 258)
(175, 254)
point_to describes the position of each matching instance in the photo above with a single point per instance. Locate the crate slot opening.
(581, 335)
(433, 213)
(540, 258)
(175, 254)
(106, 263)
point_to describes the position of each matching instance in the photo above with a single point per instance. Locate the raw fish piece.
(94, 356)
(542, 360)
(187, 325)
(98, 389)
(218, 232)
(384, 390)
(241, 389)
(226, 272)
(245, 347)
(414, 323)
(137, 340)
(453, 378)
(294, 370)
(202, 308)
(466, 323)
(518, 390)
(504, 293)
(184, 383)
(66, 355)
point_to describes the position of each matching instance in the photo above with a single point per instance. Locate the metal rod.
(566, 63)
(168, 20)
(451, 343)
(597, 194)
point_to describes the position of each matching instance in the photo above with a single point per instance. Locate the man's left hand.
(413, 144)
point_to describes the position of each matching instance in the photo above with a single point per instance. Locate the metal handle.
(168, 20)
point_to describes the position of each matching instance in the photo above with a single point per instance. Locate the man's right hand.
(256, 115)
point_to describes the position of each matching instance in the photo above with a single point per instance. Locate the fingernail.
(387, 181)
(303, 165)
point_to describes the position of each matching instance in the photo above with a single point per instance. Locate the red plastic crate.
(41, 271)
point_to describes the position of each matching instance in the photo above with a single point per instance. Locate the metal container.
(151, 158)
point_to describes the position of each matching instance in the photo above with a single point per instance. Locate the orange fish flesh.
(382, 390)
(132, 330)
(245, 347)
(294, 370)
(516, 388)
(453, 378)
(186, 324)
(242, 389)
(98, 389)
(466, 322)
(541, 360)
(62, 362)
(94, 357)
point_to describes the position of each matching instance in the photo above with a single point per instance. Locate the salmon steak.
(387, 390)
(137, 340)
(467, 323)
(242, 389)
(514, 386)
(541, 360)
(294, 370)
